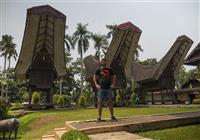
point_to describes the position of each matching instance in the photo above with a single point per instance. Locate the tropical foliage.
(81, 38)
(100, 44)
(8, 49)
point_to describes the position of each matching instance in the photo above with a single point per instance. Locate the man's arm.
(95, 82)
(113, 81)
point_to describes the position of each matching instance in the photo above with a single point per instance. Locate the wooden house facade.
(41, 59)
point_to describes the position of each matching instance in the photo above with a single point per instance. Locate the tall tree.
(68, 41)
(111, 30)
(139, 48)
(149, 61)
(81, 37)
(12, 52)
(100, 44)
(7, 48)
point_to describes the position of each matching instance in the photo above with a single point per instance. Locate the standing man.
(104, 80)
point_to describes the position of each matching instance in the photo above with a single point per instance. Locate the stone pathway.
(139, 123)
(121, 135)
(109, 130)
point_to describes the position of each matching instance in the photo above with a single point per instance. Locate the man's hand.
(112, 86)
(98, 86)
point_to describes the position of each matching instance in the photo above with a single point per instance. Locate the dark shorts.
(103, 93)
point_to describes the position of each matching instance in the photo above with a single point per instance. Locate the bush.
(118, 98)
(35, 98)
(3, 108)
(89, 97)
(74, 135)
(196, 101)
(16, 106)
(55, 99)
(24, 96)
(61, 101)
(67, 100)
(81, 101)
(134, 98)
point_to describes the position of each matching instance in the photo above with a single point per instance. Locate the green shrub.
(88, 97)
(35, 98)
(196, 101)
(16, 106)
(74, 135)
(55, 99)
(3, 108)
(67, 100)
(118, 98)
(133, 98)
(61, 101)
(24, 96)
(81, 101)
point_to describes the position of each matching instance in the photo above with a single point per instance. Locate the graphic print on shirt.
(105, 73)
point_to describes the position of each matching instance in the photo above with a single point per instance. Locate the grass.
(74, 135)
(34, 125)
(190, 132)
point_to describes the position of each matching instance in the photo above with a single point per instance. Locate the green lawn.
(190, 132)
(34, 125)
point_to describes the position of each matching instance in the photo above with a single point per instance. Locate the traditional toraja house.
(161, 77)
(41, 59)
(193, 58)
(120, 54)
(192, 82)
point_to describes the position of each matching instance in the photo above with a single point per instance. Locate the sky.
(161, 21)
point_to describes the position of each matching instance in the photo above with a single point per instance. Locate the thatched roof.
(91, 65)
(123, 45)
(45, 28)
(173, 60)
(194, 57)
(194, 82)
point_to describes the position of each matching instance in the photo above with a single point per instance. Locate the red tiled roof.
(129, 26)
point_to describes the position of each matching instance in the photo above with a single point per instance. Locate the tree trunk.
(60, 86)
(4, 64)
(198, 68)
(9, 63)
(81, 72)
(99, 53)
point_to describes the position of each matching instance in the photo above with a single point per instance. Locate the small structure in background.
(159, 79)
(41, 59)
(193, 59)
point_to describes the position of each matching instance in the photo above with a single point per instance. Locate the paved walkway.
(135, 124)
(108, 130)
(121, 135)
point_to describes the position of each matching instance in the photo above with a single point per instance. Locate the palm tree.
(112, 29)
(68, 41)
(7, 48)
(81, 37)
(12, 52)
(100, 44)
(136, 55)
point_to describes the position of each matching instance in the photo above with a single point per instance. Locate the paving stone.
(121, 135)
(139, 123)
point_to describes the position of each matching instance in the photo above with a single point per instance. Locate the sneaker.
(98, 120)
(113, 119)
